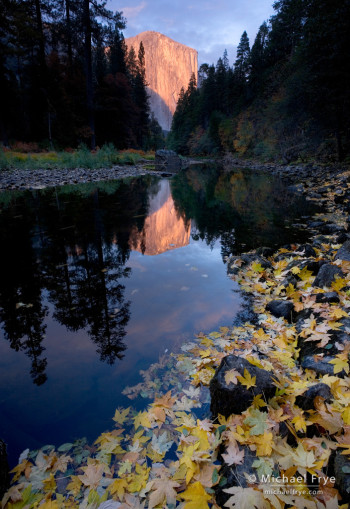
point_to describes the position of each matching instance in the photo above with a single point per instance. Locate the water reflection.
(164, 228)
(74, 281)
(69, 247)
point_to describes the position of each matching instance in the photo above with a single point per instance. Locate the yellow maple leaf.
(256, 267)
(261, 334)
(338, 284)
(197, 497)
(254, 361)
(247, 379)
(304, 274)
(263, 444)
(299, 423)
(334, 325)
(340, 363)
(118, 487)
(137, 481)
(24, 467)
(142, 419)
(75, 485)
(207, 342)
(186, 459)
(258, 287)
(121, 416)
(258, 401)
(338, 313)
(346, 415)
(202, 436)
(49, 484)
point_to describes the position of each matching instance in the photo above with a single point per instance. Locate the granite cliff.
(169, 66)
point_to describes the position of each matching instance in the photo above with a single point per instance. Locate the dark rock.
(168, 160)
(249, 258)
(227, 399)
(265, 251)
(281, 309)
(307, 250)
(342, 475)
(321, 366)
(306, 400)
(289, 280)
(330, 297)
(329, 228)
(340, 198)
(327, 275)
(4, 470)
(316, 224)
(319, 240)
(344, 252)
(343, 237)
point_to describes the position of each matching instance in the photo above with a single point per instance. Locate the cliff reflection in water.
(164, 228)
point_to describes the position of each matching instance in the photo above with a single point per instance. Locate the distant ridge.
(169, 66)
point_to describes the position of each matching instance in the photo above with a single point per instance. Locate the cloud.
(132, 12)
(207, 26)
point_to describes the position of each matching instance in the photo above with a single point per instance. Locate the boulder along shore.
(278, 431)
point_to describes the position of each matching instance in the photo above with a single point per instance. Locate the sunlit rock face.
(164, 229)
(169, 66)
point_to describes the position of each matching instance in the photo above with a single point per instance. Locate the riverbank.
(280, 405)
(308, 174)
(21, 179)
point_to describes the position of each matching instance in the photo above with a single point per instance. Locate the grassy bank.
(105, 157)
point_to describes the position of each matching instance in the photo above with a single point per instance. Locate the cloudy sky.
(207, 26)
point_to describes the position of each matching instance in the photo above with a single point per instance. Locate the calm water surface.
(97, 281)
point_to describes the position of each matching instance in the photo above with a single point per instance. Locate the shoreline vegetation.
(285, 445)
(105, 157)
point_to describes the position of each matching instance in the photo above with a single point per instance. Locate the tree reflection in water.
(68, 245)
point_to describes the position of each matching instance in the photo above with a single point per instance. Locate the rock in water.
(169, 66)
(168, 160)
(229, 398)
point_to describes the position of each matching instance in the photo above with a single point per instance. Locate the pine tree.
(258, 58)
(242, 63)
